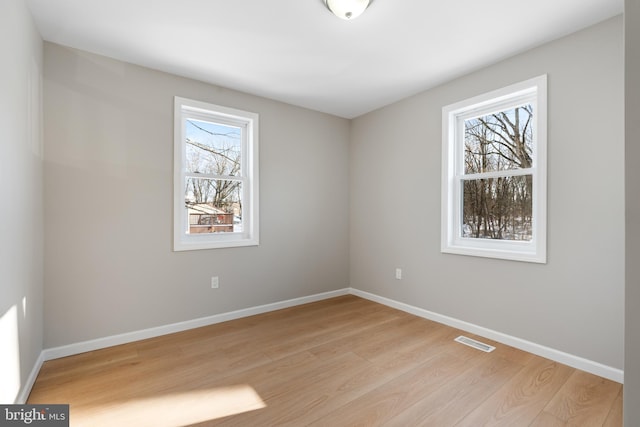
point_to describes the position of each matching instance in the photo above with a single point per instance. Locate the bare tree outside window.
(214, 199)
(498, 206)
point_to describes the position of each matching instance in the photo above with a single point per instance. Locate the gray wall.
(109, 264)
(632, 172)
(574, 303)
(21, 221)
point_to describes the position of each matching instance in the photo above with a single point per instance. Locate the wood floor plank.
(381, 339)
(454, 400)
(295, 403)
(331, 330)
(353, 340)
(521, 399)
(545, 419)
(383, 403)
(355, 385)
(614, 419)
(344, 361)
(584, 400)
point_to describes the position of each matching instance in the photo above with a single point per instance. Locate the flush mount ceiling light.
(347, 9)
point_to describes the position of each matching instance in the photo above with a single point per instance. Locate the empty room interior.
(321, 212)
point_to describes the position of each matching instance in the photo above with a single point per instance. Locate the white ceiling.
(296, 51)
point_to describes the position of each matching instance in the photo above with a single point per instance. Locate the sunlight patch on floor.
(172, 410)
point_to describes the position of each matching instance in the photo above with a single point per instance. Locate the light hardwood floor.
(339, 362)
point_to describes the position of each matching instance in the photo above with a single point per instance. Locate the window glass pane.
(500, 141)
(498, 208)
(212, 148)
(213, 205)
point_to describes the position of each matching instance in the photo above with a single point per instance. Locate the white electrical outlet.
(399, 273)
(215, 282)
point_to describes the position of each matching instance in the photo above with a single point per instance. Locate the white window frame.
(185, 109)
(533, 91)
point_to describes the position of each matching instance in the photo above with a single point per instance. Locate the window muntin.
(494, 175)
(215, 182)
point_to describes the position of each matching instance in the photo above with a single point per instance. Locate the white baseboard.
(540, 350)
(577, 362)
(28, 385)
(82, 347)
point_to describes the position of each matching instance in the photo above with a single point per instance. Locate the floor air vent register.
(475, 344)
